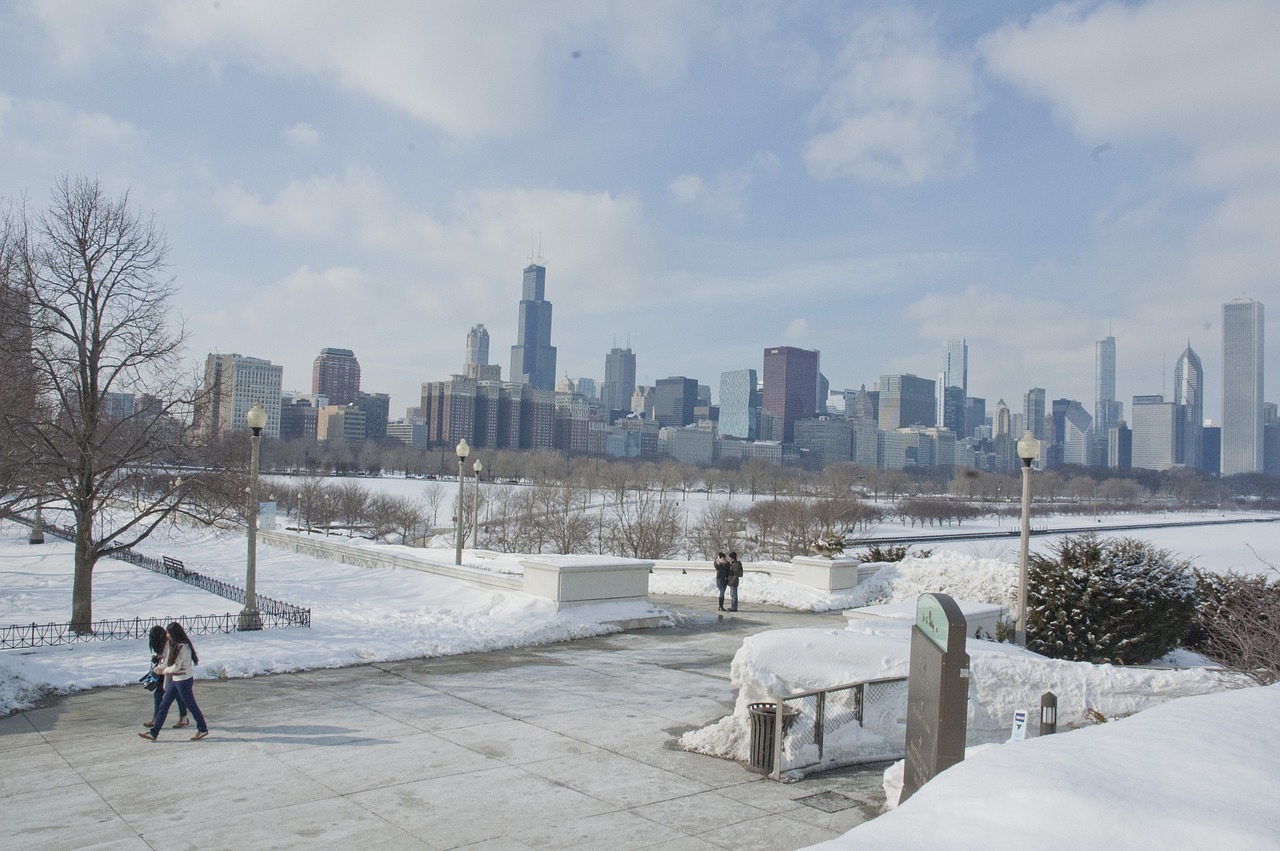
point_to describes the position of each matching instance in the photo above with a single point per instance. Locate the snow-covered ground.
(1213, 761)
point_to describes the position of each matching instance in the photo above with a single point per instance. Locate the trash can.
(762, 728)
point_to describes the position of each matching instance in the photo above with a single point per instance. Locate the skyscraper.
(233, 383)
(739, 403)
(478, 345)
(335, 374)
(955, 373)
(1106, 410)
(956, 365)
(533, 358)
(674, 399)
(905, 400)
(1033, 402)
(790, 386)
(1242, 348)
(1188, 395)
(619, 379)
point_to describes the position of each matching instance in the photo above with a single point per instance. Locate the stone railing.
(565, 580)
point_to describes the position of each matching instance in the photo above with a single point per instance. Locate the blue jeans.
(157, 696)
(722, 584)
(733, 594)
(179, 689)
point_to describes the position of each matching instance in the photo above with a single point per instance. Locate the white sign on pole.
(1019, 726)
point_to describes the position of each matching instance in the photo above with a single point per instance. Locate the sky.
(1124, 783)
(701, 180)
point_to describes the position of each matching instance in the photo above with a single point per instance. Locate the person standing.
(735, 576)
(158, 639)
(177, 665)
(722, 575)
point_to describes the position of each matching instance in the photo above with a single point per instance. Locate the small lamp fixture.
(463, 450)
(256, 419)
(1028, 448)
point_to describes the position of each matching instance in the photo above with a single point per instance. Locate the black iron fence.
(47, 634)
(276, 614)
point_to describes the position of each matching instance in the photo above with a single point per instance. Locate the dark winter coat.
(723, 573)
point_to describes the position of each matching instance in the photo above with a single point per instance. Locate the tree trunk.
(82, 583)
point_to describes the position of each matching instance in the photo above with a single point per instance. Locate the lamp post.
(475, 507)
(1028, 451)
(463, 451)
(250, 618)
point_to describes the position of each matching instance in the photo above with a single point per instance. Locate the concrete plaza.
(563, 746)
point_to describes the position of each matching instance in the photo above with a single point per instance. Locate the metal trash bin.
(762, 728)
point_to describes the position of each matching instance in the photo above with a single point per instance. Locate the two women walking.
(728, 574)
(175, 665)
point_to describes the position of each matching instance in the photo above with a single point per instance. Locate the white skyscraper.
(1242, 351)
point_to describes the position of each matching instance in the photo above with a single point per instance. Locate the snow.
(1195, 773)
(1186, 759)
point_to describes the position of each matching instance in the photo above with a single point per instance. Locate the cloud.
(303, 135)
(899, 109)
(1178, 69)
(724, 197)
(474, 70)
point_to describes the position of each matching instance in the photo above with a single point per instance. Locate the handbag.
(149, 681)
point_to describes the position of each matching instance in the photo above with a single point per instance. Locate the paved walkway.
(563, 746)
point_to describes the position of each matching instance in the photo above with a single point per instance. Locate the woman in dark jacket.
(157, 639)
(178, 663)
(722, 575)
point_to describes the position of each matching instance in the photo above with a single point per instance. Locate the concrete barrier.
(565, 580)
(582, 580)
(826, 574)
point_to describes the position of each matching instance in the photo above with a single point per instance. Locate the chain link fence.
(841, 725)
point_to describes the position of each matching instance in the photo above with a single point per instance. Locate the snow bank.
(1199, 772)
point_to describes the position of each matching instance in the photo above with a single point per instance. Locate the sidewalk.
(563, 746)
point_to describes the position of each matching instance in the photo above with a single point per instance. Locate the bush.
(890, 552)
(1237, 624)
(1116, 600)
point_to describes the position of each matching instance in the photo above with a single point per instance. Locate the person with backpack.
(721, 565)
(177, 664)
(158, 639)
(735, 576)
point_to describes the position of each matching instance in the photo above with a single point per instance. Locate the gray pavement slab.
(555, 747)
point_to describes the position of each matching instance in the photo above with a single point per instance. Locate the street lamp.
(250, 618)
(463, 451)
(1028, 451)
(475, 507)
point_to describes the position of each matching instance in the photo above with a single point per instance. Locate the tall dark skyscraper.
(1106, 410)
(619, 379)
(335, 374)
(790, 386)
(533, 358)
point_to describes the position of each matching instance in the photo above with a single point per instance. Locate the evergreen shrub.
(1117, 600)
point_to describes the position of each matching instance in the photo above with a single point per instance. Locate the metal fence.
(47, 634)
(815, 721)
(276, 614)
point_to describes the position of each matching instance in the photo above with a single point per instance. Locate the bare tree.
(646, 526)
(94, 275)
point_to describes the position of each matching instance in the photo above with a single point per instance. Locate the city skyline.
(866, 180)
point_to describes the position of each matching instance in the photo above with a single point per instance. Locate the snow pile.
(1003, 678)
(1194, 773)
(982, 580)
